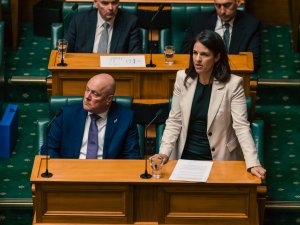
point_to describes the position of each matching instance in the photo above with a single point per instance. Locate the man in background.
(96, 129)
(104, 29)
(240, 31)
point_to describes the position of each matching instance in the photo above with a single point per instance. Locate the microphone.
(160, 8)
(146, 175)
(62, 63)
(47, 174)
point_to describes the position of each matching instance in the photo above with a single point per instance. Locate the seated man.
(106, 30)
(98, 128)
(243, 32)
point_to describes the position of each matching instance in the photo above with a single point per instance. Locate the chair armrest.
(141, 132)
(56, 33)
(257, 127)
(159, 133)
(164, 39)
(144, 37)
(42, 125)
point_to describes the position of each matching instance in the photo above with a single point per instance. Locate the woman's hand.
(163, 156)
(258, 171)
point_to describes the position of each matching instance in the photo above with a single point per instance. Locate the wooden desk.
(112, 192)
(141, 83)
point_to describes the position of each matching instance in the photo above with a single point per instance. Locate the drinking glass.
(169, 52)
(62, 46)
(156, 165)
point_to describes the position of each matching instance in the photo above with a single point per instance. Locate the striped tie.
(226, 36)
(102, 47)
(92, 146)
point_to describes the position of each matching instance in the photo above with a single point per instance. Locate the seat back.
(56, 102)
(181, 15)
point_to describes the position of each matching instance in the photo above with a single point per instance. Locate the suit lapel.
(117, 33)
(217, 94)
(111, 126)
(237, 34)
(91, 29)
(186, 103)
(78, 132)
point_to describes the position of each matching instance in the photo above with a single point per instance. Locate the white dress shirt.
(220, 27)
(101, 125)
(99, 30)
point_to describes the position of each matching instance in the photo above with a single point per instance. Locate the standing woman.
(208, 118)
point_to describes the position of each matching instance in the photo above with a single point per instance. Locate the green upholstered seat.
(57, 29)
(181, 15)
(56, 102)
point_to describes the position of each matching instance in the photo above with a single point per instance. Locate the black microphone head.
(59, 111)
(161, 6)
(158, 112)
(75, 6)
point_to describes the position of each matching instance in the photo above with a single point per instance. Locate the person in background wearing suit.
(208, 117)
(244, 30)
(114, 136)
(87, 30)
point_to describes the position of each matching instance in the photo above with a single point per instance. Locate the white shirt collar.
(220, 24)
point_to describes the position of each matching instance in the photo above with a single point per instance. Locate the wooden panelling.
(269, 11)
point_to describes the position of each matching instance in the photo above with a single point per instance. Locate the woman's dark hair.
(212, 41)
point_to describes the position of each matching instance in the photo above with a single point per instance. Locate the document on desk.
(191, 170)
(123, 61)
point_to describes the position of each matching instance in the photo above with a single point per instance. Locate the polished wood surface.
(112, 192)
(141, 83)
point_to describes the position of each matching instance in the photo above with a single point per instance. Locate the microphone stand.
(151, 40)
(62, 60)
(146, 175)
(47, 174)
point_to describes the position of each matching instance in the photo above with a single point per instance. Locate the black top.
(197, 145)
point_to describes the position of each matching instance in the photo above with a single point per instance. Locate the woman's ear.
(217, 58)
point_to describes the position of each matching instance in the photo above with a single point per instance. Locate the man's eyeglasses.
(225, 5)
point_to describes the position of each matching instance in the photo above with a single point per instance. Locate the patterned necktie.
(226, 36)
(102, 47)
(92, 146)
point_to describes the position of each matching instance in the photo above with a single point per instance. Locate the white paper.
(123, 61)
(191, 170)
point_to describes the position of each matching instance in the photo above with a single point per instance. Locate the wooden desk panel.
(112, 192)
(141, 83)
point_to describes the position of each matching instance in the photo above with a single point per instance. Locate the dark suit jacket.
(245, 37)
(125, 38)
(66, 133)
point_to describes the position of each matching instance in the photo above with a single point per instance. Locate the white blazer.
(228, 129)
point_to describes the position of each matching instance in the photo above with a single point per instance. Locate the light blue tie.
(103, 43)
(92, 146)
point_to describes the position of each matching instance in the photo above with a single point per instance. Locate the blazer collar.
(187, 101)
(217, 94)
